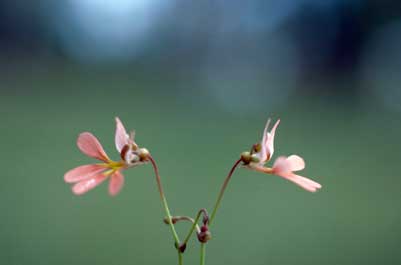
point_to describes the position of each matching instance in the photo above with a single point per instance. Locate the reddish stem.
(223, 188)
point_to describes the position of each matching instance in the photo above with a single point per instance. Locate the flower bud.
(143, 154)
(204, 235)
(246, 157)
(167, 221)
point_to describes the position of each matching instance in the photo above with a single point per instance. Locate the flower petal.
(116, 183)
(269, 141)
(281, 166)
(121, 137)
(296, 162)
(90, 146)
(82, 172)
(88, 184)
(263, 152)
(304, 183)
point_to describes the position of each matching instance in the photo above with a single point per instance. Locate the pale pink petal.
(121, 137)
(82, 172)
(263, 152)
(269, 141)
(281, 166)
(305, 183)
(88, 184)
(297, 163)
(116, 183)
(90, 146)
(309, 182)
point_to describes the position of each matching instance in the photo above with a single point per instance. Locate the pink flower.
(87, 177)
(283, 166)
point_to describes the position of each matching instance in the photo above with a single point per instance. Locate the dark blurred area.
(295, 43)
(197, 81)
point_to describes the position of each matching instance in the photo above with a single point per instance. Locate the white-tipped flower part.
(266, 146)
(122, 138)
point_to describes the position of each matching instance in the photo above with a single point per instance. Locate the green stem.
(223, 188)
(180, 258)
(194, 225)
(202, 253)
(173, 231)
(166, 208)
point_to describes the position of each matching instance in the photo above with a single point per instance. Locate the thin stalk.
(165, 205)
(178, 218)
(180, 258)
(189, 219)
(202, 253)
(194, 225)
(223, 188)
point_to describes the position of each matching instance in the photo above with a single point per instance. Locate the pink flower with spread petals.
(283, 166)
(87, 177)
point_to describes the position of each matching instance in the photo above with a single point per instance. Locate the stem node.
(182, 247)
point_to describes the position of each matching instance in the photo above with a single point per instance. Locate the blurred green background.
(196, 107)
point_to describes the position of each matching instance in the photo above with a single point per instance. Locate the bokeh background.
(197, 80)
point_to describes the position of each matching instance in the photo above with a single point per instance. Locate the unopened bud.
(143, 154)
(167, 221)
(246, 157)
(204, 235)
